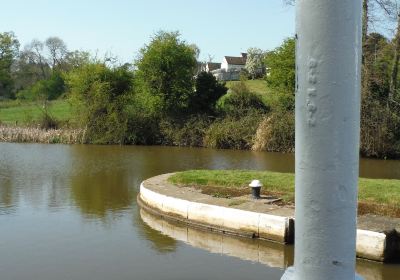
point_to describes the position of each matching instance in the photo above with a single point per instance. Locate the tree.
(76, 59)
(35, 52)
(57, 51)
(281, 66)
(255, 63)
(165, 72)
(208, 91)
(9, 48)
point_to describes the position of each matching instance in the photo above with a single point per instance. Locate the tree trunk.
(364, 62)
(396, 57)
(364, 27)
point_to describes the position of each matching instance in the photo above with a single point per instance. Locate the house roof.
(235, 60)
(213, 66)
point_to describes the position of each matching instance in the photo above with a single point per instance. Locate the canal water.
(70, 212)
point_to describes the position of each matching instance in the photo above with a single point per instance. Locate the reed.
(38, 135)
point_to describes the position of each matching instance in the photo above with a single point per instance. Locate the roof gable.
(235, 60)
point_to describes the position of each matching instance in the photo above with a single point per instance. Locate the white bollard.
(328, 62)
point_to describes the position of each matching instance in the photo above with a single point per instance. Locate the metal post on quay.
(328, 64)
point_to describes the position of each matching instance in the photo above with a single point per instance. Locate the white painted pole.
(328, 62)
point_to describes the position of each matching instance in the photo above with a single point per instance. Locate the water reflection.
(69, 212)
(159, 242)
(101, 194)
(271, 254)
(7, 200)
(255, 250)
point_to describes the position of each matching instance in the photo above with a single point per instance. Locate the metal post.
(328, 62)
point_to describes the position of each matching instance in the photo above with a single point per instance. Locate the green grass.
(24, 113)
(377, 196)
(260, 87)
(257, 86)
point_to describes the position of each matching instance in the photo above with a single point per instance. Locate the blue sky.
(122, 27)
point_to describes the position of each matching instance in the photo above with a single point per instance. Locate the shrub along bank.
(164, 99)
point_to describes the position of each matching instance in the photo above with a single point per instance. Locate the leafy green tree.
(281, 66)
(165, 73)
(208, 91)
(9, 48)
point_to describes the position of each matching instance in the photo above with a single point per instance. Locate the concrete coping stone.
(255, 219)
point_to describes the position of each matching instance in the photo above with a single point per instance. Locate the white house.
(230, 63)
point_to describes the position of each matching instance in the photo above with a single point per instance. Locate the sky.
(122, 27)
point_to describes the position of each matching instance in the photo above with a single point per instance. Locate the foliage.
(233, 133)
(101, 94)
(380, 118)
(255, 63)
(281, 67)
(165, 70)
(190, 132)
(240, 101)
(208, 91)
(9, 48)
(48, 89)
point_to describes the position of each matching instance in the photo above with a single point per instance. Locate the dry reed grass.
(38, 135)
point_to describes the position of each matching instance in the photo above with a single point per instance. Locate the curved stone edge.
(370, 245)
(218, 218)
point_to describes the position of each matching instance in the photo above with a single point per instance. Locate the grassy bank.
(376, 196)
(259, 87)
(28, 113)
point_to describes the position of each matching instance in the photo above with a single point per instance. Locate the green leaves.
(165, 69)
(281, 66)
(9, 48)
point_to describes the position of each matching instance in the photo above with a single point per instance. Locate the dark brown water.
(69, 212)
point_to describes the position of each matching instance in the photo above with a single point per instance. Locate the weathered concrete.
(376, 237)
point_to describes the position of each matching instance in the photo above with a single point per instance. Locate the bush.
(143, 128)
(380, 130)
(48, 122)
(101, 95)
(232, 133)
(189, 133)
(240, 101)
(48, 89)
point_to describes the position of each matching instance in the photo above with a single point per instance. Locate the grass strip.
(376, 196)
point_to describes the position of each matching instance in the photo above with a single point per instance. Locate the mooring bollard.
(255, 189)
(328, 64)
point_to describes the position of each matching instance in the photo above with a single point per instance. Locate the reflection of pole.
(328, 63)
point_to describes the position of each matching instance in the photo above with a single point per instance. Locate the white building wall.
(224, 64)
